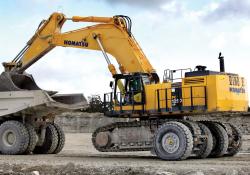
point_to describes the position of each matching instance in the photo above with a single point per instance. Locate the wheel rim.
(9, 138)
(170, 142)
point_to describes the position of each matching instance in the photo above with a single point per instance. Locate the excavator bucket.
(17, 82)
(19, 94)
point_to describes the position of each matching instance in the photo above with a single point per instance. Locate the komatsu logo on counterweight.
(76, 43)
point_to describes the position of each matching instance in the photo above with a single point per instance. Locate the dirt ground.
(79, 157)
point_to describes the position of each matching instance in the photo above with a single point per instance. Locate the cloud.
(141, 3)
(72, 71)
(218, 42)
(158, 8)
(229, 9)
(244, 36)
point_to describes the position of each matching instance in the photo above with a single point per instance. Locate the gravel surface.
(79, 157)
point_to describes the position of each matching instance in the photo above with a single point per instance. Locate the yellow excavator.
(159, 112)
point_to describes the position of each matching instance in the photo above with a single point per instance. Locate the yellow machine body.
(196, 95)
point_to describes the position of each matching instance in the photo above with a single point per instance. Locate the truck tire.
(220, 143)
(237, 141)
(207, 146)
(32, 138)
(61, 138)
(14, 137)
(50, 142)
(173, 141)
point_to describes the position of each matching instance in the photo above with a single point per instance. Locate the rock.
(70, 167)
(165, 173)
(35, 173)
(195, 173)
(234, 172)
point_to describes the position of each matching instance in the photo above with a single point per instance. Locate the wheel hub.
(102, 139)
(9, 138)
(170, 142)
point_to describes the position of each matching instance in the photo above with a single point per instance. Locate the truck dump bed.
(19, 94)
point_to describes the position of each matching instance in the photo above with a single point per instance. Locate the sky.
(172, 33)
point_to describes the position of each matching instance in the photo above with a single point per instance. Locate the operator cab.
(132, 91)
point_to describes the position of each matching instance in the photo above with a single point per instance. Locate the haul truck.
(158, 112)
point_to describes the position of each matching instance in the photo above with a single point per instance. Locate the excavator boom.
(109, 34)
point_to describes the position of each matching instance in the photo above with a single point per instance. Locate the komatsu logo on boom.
(76, 43)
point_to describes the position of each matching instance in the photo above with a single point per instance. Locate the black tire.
(236, 144)
(61, 138)
(220, 143)
(50, 142)
(10, 130)
(32, 138)
(182, 137)
(207, 146)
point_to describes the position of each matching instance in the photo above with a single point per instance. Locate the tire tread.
(32, 138)
(50, 143)
(24, 134)
(188, 135)
(61, 138)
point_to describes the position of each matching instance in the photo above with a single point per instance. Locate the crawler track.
(233, 141)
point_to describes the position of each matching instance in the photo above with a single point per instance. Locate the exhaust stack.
(222, 64)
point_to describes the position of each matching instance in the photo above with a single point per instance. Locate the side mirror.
(111, 84)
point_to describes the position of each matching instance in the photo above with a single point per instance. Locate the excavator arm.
(109, 34)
